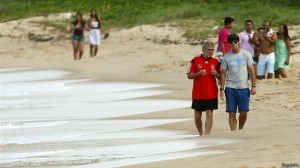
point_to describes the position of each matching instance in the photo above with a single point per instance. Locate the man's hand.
(253, 90)
(222, 94)
(266, 37)
(202, 72)
(214, 72)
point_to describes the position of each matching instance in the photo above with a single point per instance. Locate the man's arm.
(254, 39)
(253, 79)
(222, 83)
(272, 39)
(223, 48)
(195, 75)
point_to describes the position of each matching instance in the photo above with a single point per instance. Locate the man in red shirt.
(204, 69)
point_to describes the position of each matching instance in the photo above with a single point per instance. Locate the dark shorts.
(203, 105)
(79, 38)
(237, 99)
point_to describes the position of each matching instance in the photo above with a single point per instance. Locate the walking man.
(234, 70)
(204, 69)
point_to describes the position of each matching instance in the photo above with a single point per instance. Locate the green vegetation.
(188, 14)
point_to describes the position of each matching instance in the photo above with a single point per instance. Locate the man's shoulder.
(197, 57)
(243, 32)
(228, 54)
(246, 53)
(215, 59)
(224, 30)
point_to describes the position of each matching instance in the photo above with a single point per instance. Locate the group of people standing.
(249, 54)
(95, 27)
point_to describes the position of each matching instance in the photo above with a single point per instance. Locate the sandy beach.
(148, 70)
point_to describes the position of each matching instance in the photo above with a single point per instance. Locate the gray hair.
(207, 44)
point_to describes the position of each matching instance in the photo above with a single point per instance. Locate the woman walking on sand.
(77, 28)
(282, 52)
(94, 24)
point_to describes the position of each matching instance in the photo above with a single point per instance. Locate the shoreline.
(37, 118)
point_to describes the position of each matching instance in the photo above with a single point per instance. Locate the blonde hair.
(207, 44)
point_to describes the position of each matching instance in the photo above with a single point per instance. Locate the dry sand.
(271, 134)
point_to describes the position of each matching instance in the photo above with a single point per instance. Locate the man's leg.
(261, 77)
(270, 75)
(270, 65)
(198, 121)
(232, 121)
(231, 106)
(277, 75)
(242, 119)
(209, 121)
(261, 67)
(243, 106)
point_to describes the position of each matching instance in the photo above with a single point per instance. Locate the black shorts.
(203, 105)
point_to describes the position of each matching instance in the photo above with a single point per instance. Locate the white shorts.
(265, 64)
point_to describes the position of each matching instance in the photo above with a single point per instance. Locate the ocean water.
(48, 120)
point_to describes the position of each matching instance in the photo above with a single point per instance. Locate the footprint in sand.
(279, 145)
(262, 149)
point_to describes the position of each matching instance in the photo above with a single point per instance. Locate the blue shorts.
(237, 98)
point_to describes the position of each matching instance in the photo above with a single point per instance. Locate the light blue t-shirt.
(237, 68)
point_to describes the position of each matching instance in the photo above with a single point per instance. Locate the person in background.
(77, 28)
(266, 41)
(256, 48)
(234, 70)
(95, 25)
(282, 52)
(204, 69)
(223, 46)
(246, 39)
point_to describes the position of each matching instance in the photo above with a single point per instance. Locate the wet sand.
(48, 120)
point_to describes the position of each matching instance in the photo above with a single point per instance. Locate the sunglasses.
(234, 41)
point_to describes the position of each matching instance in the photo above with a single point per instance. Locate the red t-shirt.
(205, 86)
(223, 36)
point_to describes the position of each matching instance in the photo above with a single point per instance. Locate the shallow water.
(47, 120)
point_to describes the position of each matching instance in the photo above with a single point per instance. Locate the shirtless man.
(266, 41)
